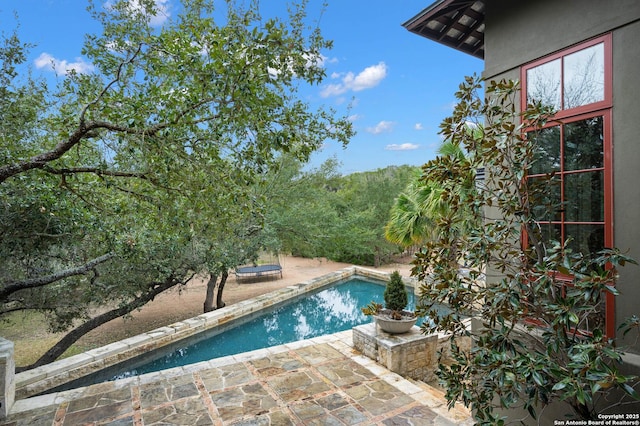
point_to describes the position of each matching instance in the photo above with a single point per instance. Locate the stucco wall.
(523, 31)
(626, 164)
(520, 31)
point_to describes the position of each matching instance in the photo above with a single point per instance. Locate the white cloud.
(418, 126)
(450, 106)
(162, 12)
(315, 60)
(354, 117)
(61, 66)
(326, 60)
(333, 90)
(161, 7)
(383, 126)
(401, 147)
(369, 77)
(366, 79)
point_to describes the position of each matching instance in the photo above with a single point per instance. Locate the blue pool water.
(327, 311)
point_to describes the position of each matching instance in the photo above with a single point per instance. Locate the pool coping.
(41, 379)
(342, 341)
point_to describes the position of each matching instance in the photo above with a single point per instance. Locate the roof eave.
(458, 24)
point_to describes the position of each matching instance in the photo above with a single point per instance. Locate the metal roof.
(455, 23)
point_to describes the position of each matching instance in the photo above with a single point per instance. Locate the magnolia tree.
(538, 335)
(128, 180)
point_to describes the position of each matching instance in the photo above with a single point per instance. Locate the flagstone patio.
(322, 381)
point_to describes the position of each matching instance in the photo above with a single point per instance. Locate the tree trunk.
(208, 299)
(223, 281)
(71, 337)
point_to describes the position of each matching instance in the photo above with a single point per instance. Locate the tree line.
(320, 213)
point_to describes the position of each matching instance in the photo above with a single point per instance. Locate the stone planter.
(394, 326)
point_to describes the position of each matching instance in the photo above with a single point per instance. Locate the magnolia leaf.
(573, 317)
(630, 391)
(538, 379)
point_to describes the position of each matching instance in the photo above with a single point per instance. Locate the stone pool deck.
(321, 381)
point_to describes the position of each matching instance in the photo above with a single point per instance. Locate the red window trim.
(602, 108)
(607, 130)
(606, 103)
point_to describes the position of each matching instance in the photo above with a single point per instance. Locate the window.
(575, 79)
(575, 149)
(574, 202)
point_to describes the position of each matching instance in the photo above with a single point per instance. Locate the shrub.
(395, 294)
(540, 336)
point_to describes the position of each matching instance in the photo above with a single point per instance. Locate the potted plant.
(392, 318)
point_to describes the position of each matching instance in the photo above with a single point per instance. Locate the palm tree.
(417, 210)
(410, 221)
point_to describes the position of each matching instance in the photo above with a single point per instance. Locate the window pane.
(547, 145)
(550, 232)
(543, 84)
(584, 77)
(583, 144)
(584, 197)
(546, 204)
(585, 239)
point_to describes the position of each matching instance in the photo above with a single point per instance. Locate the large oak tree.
(121, 183)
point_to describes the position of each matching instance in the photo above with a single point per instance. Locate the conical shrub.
(395, 294)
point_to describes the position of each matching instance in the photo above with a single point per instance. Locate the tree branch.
(13, 286)
(86, 129)
(40, 160)
(13, 306)
(111, 83)
(94, 170)
(71, 337)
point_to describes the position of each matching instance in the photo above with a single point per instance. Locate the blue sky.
(400, 85)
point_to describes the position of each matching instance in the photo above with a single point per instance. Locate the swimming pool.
(324, 311)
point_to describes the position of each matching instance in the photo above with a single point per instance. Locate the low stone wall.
(414, 355)
(7, 377)
(38, 380)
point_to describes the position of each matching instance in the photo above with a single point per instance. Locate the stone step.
(434, 397)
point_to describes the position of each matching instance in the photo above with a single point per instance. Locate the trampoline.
(258, 271)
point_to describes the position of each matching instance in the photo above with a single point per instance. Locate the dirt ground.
(176, 305)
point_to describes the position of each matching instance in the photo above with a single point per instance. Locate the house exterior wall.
(519, 32)
(626, 164)
(522, 31)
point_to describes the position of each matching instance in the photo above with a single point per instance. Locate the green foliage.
(395, 293)
(410, 221)
(539, 333)
(152, 167)
(364, 202)
(423, 202)
(373, 308)
(319, 213)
